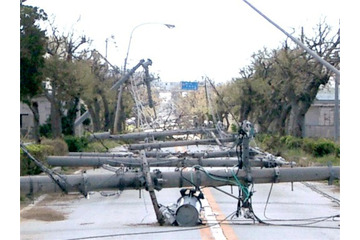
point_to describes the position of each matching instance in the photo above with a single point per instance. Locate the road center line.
(227, 232)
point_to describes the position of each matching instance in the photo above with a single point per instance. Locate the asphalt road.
(286, 211)
(304, 213)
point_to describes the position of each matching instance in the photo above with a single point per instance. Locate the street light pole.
(319, 59)
(142, 24)
(117, 112)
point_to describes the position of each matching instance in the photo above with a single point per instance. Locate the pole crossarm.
(134, 180)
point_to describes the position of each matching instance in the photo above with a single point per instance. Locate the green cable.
(236, 182)
(243, 188)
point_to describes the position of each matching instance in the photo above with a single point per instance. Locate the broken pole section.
(149, 186)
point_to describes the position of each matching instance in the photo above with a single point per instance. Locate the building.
(27, 117)
(319, 119)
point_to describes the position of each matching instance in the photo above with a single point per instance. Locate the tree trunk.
(35, 110)
(282, 119)
(71, 117)
(297, 120)
(226, 116)
(95, 119)
(122, 117)
(107, 119)
(56, 127)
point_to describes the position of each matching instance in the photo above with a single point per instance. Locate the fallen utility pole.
(207, 154)
(155, 162)
(143, 135)
(114, 87)
(119, 85)
(149, 186)
(136, 180)
(159, 145)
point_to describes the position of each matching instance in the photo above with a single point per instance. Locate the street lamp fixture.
(170, 26)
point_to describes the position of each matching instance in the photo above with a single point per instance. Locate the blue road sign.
(189, 85)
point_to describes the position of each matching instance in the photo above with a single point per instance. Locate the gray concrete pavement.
(297, 214)
(126, 215)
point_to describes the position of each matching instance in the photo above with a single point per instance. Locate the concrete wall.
(319, 120)
(26, 115)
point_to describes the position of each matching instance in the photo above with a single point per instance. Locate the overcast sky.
(213, 38)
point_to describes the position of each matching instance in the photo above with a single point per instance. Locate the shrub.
(291, 142)
(337, 150)
(271, 142)
(76, 144)
(38, 151)
(323, 147)
(320, 147)
(233, 128)
(59, 145)
(45, 129)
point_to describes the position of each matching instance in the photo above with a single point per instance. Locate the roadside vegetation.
(303, 151)
(59, 147)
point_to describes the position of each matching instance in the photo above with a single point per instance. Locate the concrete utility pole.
(319, 59)
(71, 161)
(119, 83)
(155, 134)
(117, 111)
(134, 180)
(159, 145)
(253, 153)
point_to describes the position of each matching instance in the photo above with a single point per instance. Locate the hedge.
(40, 152)
(76, 144)
(316, 147)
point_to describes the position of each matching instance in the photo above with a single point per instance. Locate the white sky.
(213, 38)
